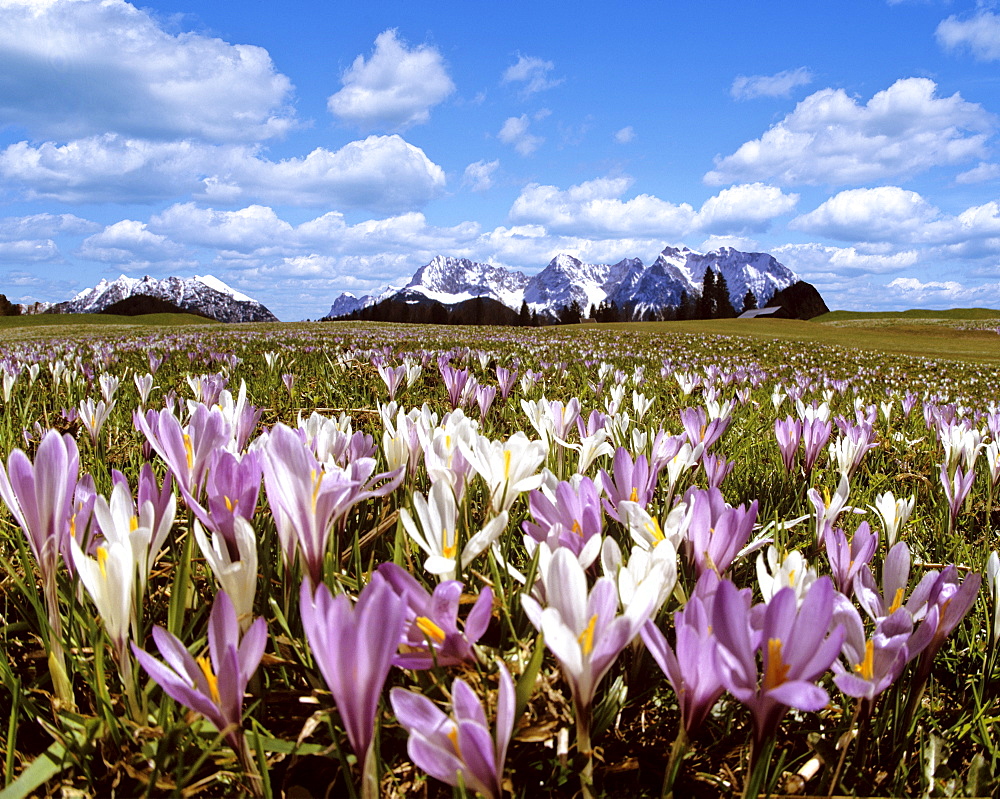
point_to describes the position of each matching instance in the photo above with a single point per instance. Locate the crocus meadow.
(390, 561)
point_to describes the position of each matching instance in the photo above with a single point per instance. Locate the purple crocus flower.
(353, 647)
(231, 490)
(947, 603)
(308, 499)
(459, 746)
(213, 685)
(795, 646)
(873, 664)
(632, 481)
(691, 670)
(454, 382)
(847, 559)
(570, 519)
(815, 434)
(431, 636)
(956, 489)
(716, 532)
(391, 376)
(506, 378)
(717, 469)
(699, 430)
(789, 434)
(186, 449)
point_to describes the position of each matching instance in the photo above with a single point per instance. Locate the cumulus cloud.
(244, 230)
(25, 251)
(393, 89)
(596, 208)
(532, 73)
(515, 131)
(383, 173)
(747, 87)
(980, 35)
(878, 214)
(479, 175)
(831, 138)
(625, 135)
(76, 68)
(130, 243)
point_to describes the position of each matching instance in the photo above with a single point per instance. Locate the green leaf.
(42, 769)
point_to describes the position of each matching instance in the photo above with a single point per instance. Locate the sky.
(296, 150)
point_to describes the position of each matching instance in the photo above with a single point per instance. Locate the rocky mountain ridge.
(629, 284)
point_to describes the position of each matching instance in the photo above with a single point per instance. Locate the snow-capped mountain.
(203, 294)
(629, 284)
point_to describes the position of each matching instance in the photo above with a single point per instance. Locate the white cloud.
(380, 172)
(244, 230)
(76, 68)
(885, 213)
(44, 224)
(130, 243)
(981, 173)
(747, 87)
(393, 89)
(479, 175)
(749, 207)
(515, 132)
(595, 208)
(29, 250)
(532, 72)
(824, 262)
(625, 135)
(832, 138)
(980, 34)
(913, 292)
(900, 217)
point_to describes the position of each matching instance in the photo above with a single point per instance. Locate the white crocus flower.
(109, 386)
(645, 567)
(143, 384)
(437, 533)
(808, 413)
(894, 514)
(119, 521)
(792, 571)
(508, 467)
(9, 379)
(109, 579)
(641, 404)
(238, 578)
(94, 415)
(647, 532)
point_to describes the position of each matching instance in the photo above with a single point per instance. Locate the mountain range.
(202, 294)
(629, 284)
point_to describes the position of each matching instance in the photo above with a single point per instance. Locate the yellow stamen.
(448, 550)
(213, 681)
(506, 464)
(229, 504)
(576, 527)
(897, 602)
(453, 737)
(102, 559)
(317, 481)
(776, 671)
(634, 496)
(791, 578)
(188, 451)
(133, 524)
(429, 629)
(586, 638)
(654, 529)
(826, 497)
(866, 668)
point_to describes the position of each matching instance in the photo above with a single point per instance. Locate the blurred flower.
(894, 514)
(791, 571)
(847, 559)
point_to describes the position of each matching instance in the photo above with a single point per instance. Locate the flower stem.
(677, 752)
(583, 747)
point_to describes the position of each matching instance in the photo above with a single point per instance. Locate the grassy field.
(888, 405)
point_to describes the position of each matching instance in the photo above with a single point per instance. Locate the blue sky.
(300, 149)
